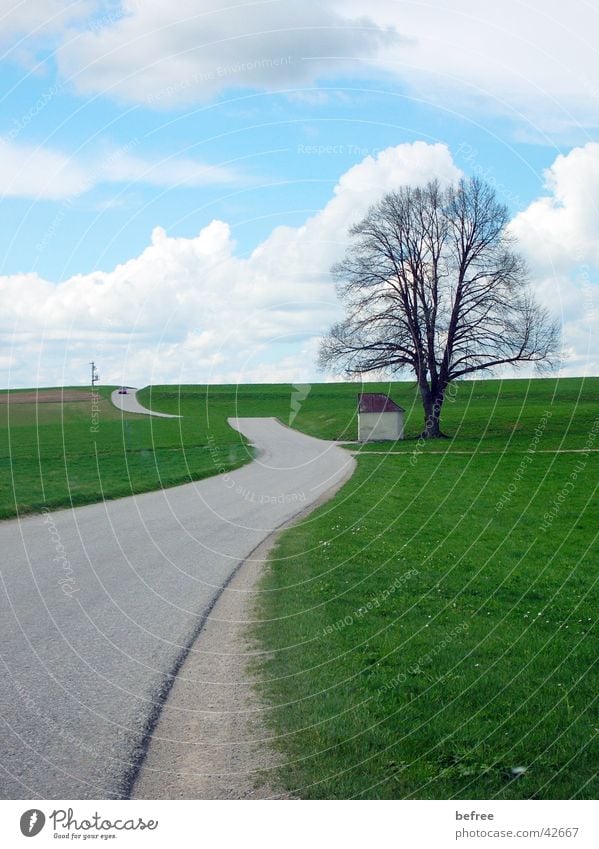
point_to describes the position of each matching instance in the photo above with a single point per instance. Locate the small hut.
(379, 418)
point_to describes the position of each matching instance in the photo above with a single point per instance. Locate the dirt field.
(46, 396)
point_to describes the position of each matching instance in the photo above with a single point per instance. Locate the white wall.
(375, 426)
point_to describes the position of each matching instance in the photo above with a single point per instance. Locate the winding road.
(100, 604)
(128, 403)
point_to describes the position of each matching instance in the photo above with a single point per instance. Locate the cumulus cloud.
(192, 309)
(167, 54)
(559, 234)
(563, 226)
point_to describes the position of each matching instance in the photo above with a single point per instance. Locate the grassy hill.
(52, 455)
(488, 415)
(55, 454)
(434, 627)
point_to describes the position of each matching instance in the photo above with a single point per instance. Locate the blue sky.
(228, 130)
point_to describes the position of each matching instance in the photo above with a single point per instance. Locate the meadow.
(59, 454)
(432, 631)
(66, 454)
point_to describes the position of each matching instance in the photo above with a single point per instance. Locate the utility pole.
(95, 375)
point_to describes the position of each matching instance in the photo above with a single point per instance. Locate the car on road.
(123, 390)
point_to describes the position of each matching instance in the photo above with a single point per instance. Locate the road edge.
(167, 718)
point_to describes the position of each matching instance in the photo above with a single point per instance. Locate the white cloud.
(176, 53)
(191, 309)
(27, 171)
(562, 227)
(559, 235)
(34, 17)
(31, 172)
(536, 61)
(122, 167)
(29, 29)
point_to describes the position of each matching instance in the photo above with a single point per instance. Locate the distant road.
(129, 404)
(99, 604)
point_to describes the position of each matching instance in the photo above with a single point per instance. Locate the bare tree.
(431, 283)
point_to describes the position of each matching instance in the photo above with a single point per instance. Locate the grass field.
(435, 625)
(483, 415)
(55, 455)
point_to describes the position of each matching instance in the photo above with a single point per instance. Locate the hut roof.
(374, 402)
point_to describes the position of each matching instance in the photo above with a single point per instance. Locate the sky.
(178, 178)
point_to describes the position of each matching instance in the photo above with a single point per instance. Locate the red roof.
(374, 402)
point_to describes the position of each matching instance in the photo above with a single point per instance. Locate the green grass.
(50, 456)
(54, 455)
(435, 625)
(487, 415)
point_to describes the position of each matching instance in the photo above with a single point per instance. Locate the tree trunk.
(432, 403)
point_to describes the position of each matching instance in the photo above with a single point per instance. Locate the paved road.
(100, 603)
(129, 404)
